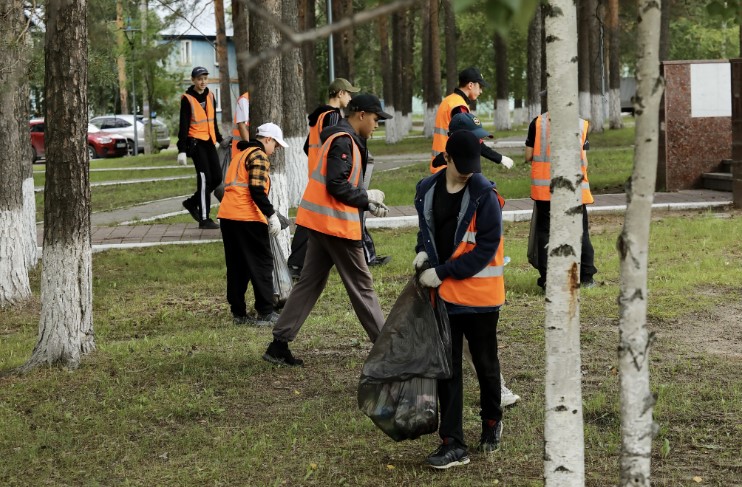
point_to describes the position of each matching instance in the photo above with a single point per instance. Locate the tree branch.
(294, 39)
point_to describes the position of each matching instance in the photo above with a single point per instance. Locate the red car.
(100, 144)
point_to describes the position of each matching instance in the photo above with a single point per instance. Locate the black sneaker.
(192, 209)
(295, 272)
(380, 260)
(267, 319)
(448, 455)
(208, 224)
(588, 283)
(241, 320)
(491, 434)
(278, 353)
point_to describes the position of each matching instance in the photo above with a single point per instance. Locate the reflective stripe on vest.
(202, 121)
(236, 136)
(442, 119)
(315, 143)
(319, 210)
(541, 164)
(237, 203)
(486, 288)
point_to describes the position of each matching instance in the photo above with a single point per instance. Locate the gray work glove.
(420, 260)
(182, 159)
(375, 196)
(379, 210)
(429, 278)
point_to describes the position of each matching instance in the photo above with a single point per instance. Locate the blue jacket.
(478, 197)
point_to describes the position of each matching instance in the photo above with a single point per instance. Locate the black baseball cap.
(464, 148)
(366, 102)
(198, 71)
(472, 75)
(467, 121)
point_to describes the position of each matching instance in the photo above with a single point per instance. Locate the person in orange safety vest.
(538, 153)
(460, 248)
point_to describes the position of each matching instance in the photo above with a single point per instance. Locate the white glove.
(507, 162)
(274, 225)
(375, 196)
(429, 278)
(379, 210)
(420, 259)
(182, 159)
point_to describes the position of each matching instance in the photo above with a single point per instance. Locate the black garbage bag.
(398, 385)
(282, 282)
(225, 156)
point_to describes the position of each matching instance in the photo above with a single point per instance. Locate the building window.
(185, 52)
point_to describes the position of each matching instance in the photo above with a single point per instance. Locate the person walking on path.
(241, 130)
(331, 210)
(460, 239)
(538, 153)
(197, 136)
(470, 87)
(247, 222)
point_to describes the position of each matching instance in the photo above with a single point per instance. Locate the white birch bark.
(563, 428)
(429, 120)
(585, 105)
(390, 126)
(14, 283)
(519, 117)
(502, 114)
(637, 401)
(597, 112)
(614, 109)
(30, 245)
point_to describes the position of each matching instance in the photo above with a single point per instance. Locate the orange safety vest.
(319, 210)
(442, 119)
(236, 136)
(486, 288)
(202, 122)
(315, 143)
(541, 164)
(237, 203)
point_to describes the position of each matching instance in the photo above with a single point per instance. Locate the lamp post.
(330, 49)
(133, 90)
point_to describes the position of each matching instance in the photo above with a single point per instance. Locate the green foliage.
(502, 15)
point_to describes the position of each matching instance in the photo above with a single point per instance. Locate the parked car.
(100, 144)
(124, 125)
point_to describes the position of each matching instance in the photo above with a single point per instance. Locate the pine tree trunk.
(14, 283)
(387, 78)
(241, 43)
(533, 98)
(667, 6)
(614, 71)
(294, 117)
(66, 324)
(311, 94)
(432, 77)
(564, 457)
(519, 113)
(225, 100)
(596, 67)
(121, 59)
(452, 74)
(637, 425)
(147, 94)
(343, 41)
(502, 110)
(583, 55)
(408, 72)
(394, 126)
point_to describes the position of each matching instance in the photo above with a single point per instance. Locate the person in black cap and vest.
(331, 209)
(197, 137)
(460, 241)
(470, 87)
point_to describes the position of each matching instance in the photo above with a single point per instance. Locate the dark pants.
(324, 252)
(299, 247)
(480, 330)
(208, 176)
(247, 253)
(587, 260)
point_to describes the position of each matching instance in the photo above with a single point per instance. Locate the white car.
(124, 125)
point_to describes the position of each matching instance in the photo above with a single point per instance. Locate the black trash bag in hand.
(225, 156)
(282, 282)
(398, 385)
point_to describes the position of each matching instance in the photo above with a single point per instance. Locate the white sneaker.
(507, 397)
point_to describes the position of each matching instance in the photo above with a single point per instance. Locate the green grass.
(125, 174)
(177, 395)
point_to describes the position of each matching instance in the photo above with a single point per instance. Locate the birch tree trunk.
(564, 455)
(66, 324)
(225, 100)
(637, 401)
(533, 98)
(14, 283)
(614, 71)
(28, 220)
(502, 107)
(583, 53)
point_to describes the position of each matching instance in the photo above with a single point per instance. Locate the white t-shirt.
(242, 110)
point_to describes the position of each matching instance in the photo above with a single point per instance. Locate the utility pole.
(331, 52)
(143, 11)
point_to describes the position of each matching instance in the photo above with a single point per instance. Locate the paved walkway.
(132, 236)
